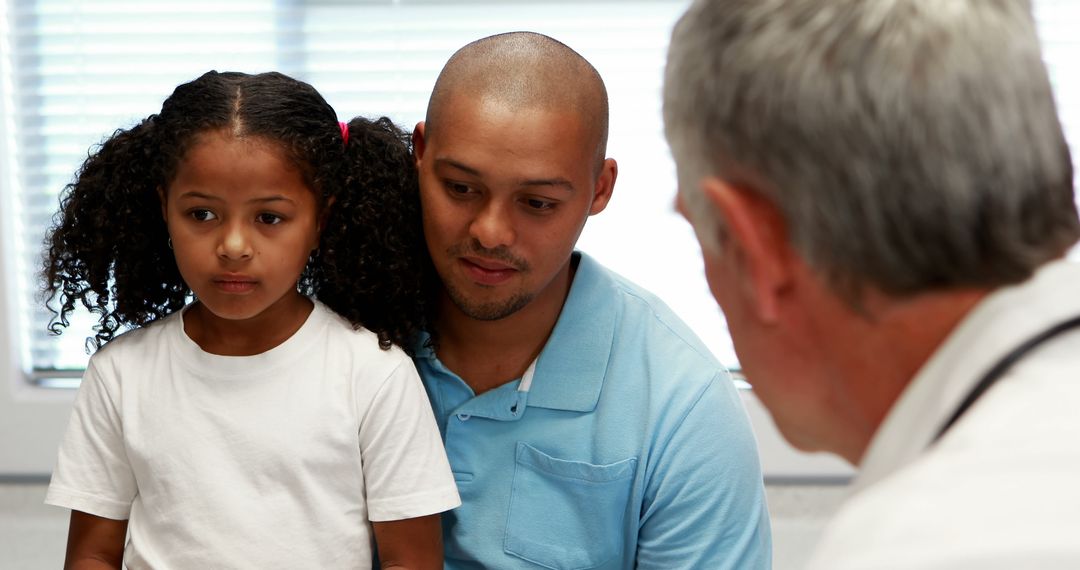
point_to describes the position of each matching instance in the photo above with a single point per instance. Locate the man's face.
(505, 194)
(771, 352)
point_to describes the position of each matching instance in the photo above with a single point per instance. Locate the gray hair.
(909, 144)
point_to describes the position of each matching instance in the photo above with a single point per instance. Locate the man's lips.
(487, 271)
(488, 264)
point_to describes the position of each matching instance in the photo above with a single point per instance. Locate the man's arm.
(95, 543)
(704, 504)
(413, 544)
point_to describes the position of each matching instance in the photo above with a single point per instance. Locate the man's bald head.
(524, 70)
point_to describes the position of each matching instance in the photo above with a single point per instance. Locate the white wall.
(31, 419)
(32, 534)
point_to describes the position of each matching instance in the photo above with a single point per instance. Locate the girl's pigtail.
(370, 264)
(108, 248)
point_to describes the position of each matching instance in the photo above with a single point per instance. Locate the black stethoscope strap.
(1003, 365)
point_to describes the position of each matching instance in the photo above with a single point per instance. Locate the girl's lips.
(234, 285)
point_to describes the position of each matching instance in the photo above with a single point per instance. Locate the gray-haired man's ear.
(757, 245)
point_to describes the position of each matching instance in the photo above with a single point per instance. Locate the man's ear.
(605, 186)
(756, 235)
(418, 143)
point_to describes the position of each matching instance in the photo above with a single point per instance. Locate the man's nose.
(493, 226)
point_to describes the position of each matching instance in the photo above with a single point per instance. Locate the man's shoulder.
(947, 509)
(647, 322)
(653, 356)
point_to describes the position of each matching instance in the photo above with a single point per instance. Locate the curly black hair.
(108, 248)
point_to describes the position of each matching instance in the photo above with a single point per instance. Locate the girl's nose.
(234, 243)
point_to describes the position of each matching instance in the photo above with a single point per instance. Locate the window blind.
(75, 70)
(72, 71)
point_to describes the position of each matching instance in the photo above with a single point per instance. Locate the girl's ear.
(164, 203)
(323, 216)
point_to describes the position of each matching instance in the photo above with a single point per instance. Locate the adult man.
(586, 426)
(883, 194)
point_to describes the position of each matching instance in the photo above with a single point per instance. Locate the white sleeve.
(406, 473)
(92, 471)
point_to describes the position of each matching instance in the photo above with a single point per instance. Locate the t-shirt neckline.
(220, 366)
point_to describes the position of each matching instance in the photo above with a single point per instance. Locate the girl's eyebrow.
(274, 198)
(200, 196)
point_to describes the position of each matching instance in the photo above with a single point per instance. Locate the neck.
(877, 354)
(488, 354)
(247, 337)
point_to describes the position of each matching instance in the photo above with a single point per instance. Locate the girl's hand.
(413, 544)
(95, 543)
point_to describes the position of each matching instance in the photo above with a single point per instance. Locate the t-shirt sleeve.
(406, 472)
(705, 500)
(92, 471)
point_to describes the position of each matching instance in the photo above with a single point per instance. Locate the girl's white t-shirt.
(277, 460)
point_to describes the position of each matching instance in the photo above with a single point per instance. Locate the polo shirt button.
(463, 417)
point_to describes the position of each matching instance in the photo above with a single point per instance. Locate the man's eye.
(202, 215)
(269, 219)
(538, 204)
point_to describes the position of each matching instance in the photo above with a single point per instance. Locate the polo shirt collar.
(421, 348)
(571, 368)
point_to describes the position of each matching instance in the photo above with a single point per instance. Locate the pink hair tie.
(344, 132)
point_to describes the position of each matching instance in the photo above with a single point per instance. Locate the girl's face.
(243, 224)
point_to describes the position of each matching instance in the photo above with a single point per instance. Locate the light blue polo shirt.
(630, 447)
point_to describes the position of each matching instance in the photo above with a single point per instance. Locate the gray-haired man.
(883, 196)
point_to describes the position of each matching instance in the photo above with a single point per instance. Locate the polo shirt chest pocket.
(567, 515)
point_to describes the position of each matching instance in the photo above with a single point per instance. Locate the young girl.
(264, 424)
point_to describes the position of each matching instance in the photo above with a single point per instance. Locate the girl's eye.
(268, 219)
(202, 215)
(457, 188)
